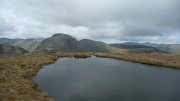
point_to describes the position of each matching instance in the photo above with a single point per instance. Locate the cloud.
(5, 26)
(131, 20)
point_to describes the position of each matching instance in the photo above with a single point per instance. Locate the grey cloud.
(5, 27)
(101, 19)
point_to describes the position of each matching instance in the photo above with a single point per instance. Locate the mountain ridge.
(9, 41)
(65, 42)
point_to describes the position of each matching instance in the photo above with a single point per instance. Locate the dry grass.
(82, 55)
(16, 73)
(163, 60)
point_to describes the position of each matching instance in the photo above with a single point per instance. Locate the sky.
(110, 21)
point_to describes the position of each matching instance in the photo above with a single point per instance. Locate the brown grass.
(16, 73)
(82, 55)
(16, 76)
(163, 60)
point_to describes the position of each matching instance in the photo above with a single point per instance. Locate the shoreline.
(16, 73)
(164, 61)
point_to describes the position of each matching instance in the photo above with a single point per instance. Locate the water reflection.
(101, 79)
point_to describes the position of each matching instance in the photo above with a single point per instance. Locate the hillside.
(129, 45)
(87, 45)
(8, 50)
(90, 45)
(29, 44)
(135, 47)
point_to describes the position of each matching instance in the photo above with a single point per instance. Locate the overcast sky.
(105, 20)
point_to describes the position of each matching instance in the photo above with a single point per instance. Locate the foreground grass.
(16, 73)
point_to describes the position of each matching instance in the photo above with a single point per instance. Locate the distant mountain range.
(149, 47)
(8, 41)
(64, 42)
(136, 47)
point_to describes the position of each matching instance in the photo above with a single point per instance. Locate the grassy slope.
(114, 49)
(132, 47)
(16, 72)
(8, 50)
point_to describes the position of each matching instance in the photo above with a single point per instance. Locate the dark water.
(101, 79)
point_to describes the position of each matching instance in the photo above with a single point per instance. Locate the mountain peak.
(60, 34)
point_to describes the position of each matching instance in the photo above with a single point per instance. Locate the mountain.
(96, 46)
(134, 47)
(90, 45)
(8, 41)
(29, 44)
(59, 42)
(130, 45)
(63, 42)
(8, 50)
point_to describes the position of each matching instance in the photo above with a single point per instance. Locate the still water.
(103, 79)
